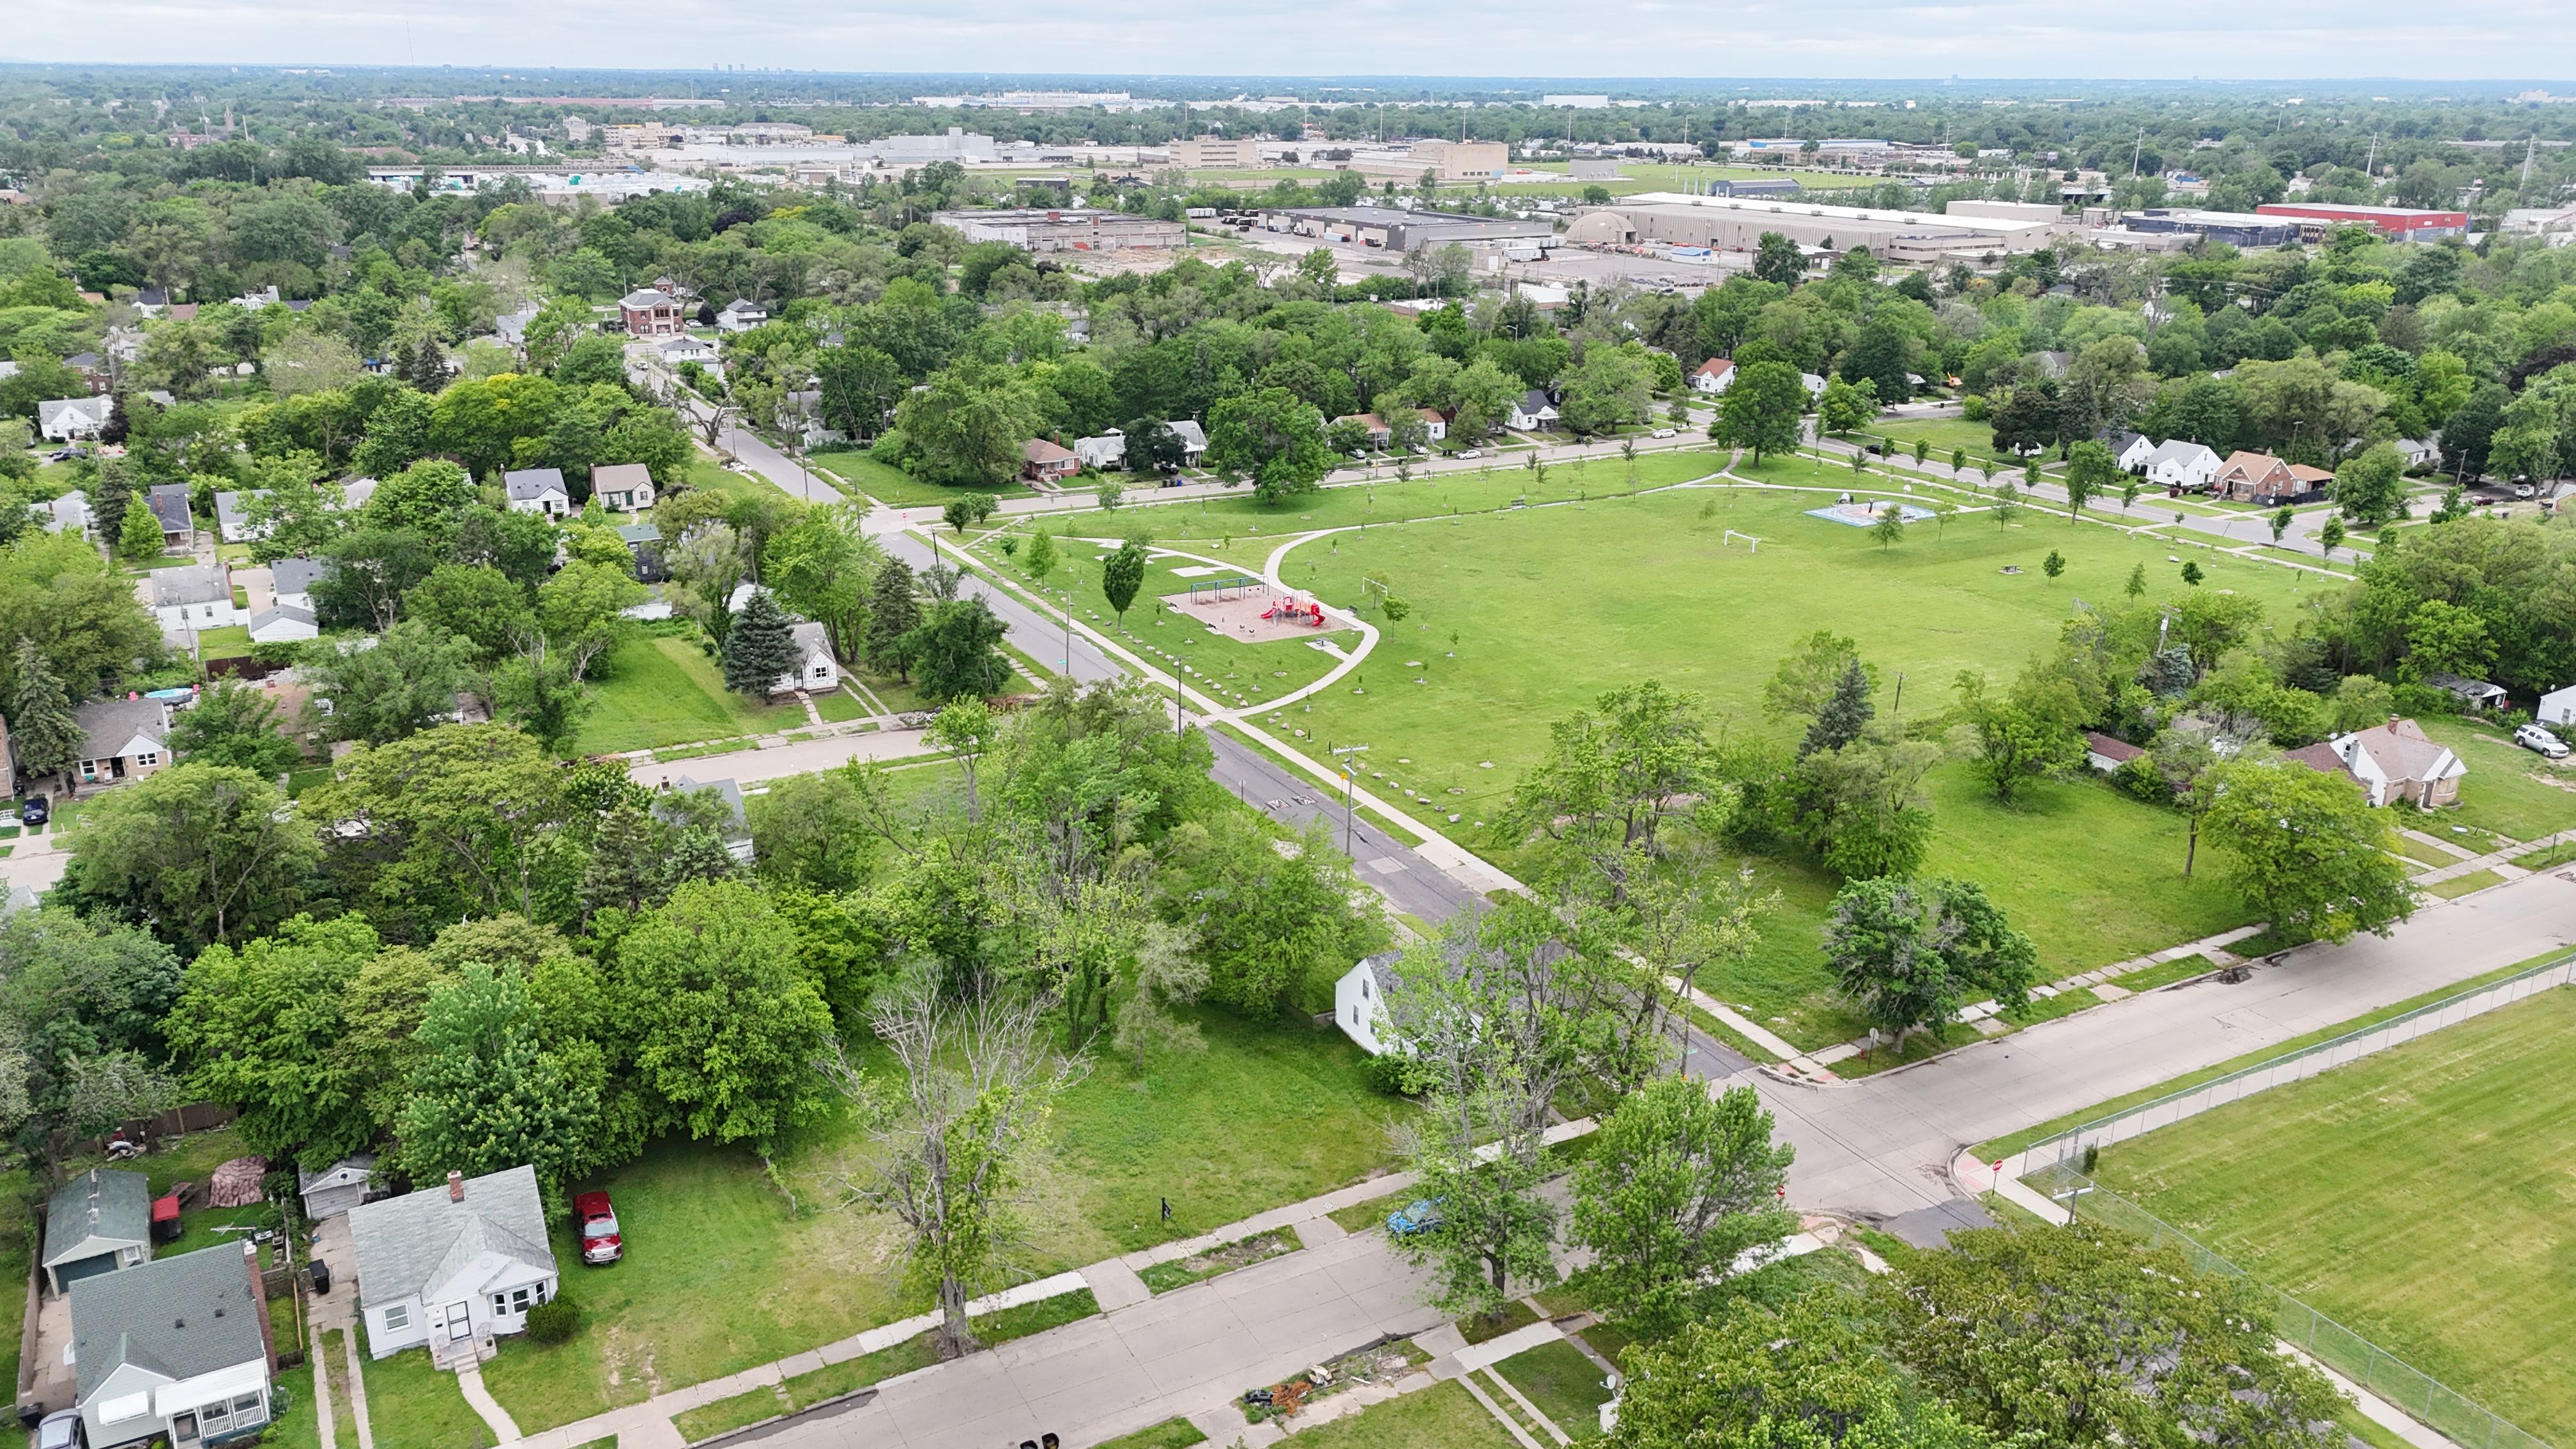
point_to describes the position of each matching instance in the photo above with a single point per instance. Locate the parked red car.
(597, 1220)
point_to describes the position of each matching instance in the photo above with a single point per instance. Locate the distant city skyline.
(2284, 40)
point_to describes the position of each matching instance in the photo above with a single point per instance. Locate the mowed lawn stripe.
(2422, 1197)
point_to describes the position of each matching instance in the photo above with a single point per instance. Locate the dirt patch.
(1256, 614)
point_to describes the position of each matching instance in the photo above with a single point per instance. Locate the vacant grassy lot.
(1439, 1417)
(662, 690)
(2418, 1196)
(722, 1272)
(1564, 1384)
(854, 472)
(2508, 789)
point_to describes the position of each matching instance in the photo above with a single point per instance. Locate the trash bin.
(321, 1276)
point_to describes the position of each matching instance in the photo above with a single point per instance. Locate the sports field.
(1520, 617)
(2420, 1197)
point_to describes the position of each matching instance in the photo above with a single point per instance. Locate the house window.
(519, 1301)
(398, 1316)
(89, 769)
(148, 757)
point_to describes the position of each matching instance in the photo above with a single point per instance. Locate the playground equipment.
(1293, 610)
(1218, 591)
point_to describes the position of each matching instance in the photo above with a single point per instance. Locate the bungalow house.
(1711, 377)
(73, 419)
(815, 668)
(2557, 707)
(293, 579)
(537, 490)
(2131, 451)
(2106, 754)
(1359, 1002)
(2419, 452)
(283, 623)
(97, 1223)
(232, 522)
(2391, 762)
(1535, 410)
(741, 316)
(2477, 694)
(1814, 384)
(2179, 465)
(736, 827)
(1379, 434)
(178, 1351)
(195, 596)
(626, 487)
(1193, 440)
(452, 1266)
(355, 493)
(337, 1188)
(121, 739)
(1106, 452)
(2255, 478)
(688, 349)
(1435, 423)
(169, 505)
(1044, 462)
(69, 513)
(650, 312)
(644, 541)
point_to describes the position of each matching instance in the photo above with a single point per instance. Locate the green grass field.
(1944, 435)
(722, 1272)
(2418, 1196)
(854, 472)
(412, 1405)
(1564, 1384)
(661, 690)
(1439, 1417)
(2508, 789)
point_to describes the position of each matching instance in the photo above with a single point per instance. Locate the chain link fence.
(2067, 1148)
(2454, 1415)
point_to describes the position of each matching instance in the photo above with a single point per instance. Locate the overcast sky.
(2103, 39)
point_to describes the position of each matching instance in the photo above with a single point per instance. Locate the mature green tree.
(474, 602)
(81, 1004)
(1611, 386)
(2087, 1337)
(1845, 715)
(450, 823)
(956, 651)
(1806, 1375)
(403, 685)
(822, 566)
(1272, 437)
(760, 647)
(257, 1027)
(580, 612)
(1910, 953)
(1122, 575)
(2090, 470)
(2308, 851)
(1776, 260)
(823, 830)
(140, 536)
(1270, 925)
(44, 731)
(1845, 406)
(538, 690)
(1678, 1188)
(234, 724)
(967, 510)
(1760, 409)
(197, 853)
(2370, 487)
(894, 612)
(727, 1026)
(82, 615)
(372, 569)
(2023, 733)
(1615, 779)
(485, 1096)
(969, 424)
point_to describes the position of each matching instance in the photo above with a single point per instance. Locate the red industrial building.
(2398, 223)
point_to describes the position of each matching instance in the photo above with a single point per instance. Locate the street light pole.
(1348, 788)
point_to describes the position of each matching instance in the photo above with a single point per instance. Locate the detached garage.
(97, 1223)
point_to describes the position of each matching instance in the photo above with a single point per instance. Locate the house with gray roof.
(178, 1350)
(67, 514)
(537, 490)
(194, 596)
(121, 739)
(64, 420)
(625, 487)
(169, 505)
(232, 516)
(451, 1267)
(97, 1223)
(337, 1188)
(1193, 440)
(281, 624)
(293, 579)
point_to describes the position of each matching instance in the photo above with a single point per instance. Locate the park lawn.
(2508, 789)
(2417, 1196)
(412, 1405)
(1439, 1417)
(1944, 435)
(663, 690)
(1564, 1385)
(723, 1272)
(854, 472)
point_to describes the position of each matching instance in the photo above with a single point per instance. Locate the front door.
(460, 1320)
(183, 1430)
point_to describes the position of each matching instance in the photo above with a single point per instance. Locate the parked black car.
(36, 810)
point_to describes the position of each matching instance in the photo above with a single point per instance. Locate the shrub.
(2140, 777)
(1396, 1074)
(1972, 408)
(554, 1320)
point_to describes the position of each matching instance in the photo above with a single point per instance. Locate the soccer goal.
(1751, 544)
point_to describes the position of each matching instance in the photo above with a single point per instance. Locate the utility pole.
(2136, 152)
(2530, 148)
(1349, 766)
(2370, 163)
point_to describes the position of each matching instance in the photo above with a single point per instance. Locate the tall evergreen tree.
(1844, 716)
(760, 646)
(44, 733)
(893, 613)
(110, 491)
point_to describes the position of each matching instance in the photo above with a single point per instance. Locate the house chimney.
(455, 1186)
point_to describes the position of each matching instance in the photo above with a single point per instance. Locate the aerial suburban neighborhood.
(856, 757)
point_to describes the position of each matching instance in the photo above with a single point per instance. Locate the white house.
(2132, 451)
(177, 1349)
(452, 1266)
(1105, 452)
(1434, 426)
(355, 493)
(741, 316)
(687, 349)
(292, 579)
(626, 487)
(232, 517)
(337, 1188)
(1814, 384)
(815, 668)
(1359, 1002)
(537, 490)
(67, 513)
(1193, 440)
(2392, 762)
(2177, 463)
(2420, 452)
(65, 420)
(196, 596)
(2557, 707)
(1711, 377)
(1534, 410)
(281, 624)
